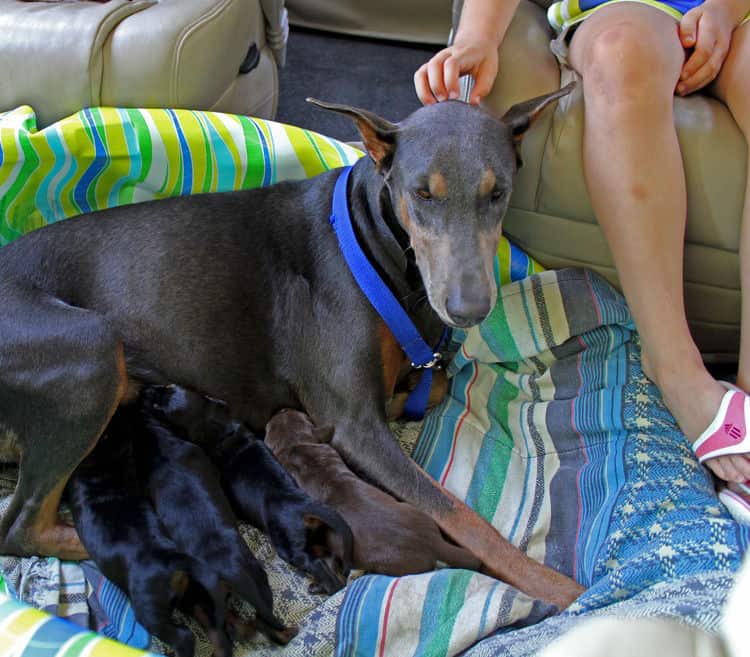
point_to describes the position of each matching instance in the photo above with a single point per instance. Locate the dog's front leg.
(370, 448)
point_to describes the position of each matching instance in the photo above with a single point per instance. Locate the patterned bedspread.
(550, 429)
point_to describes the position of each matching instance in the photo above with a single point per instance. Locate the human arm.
(481, 29)
(708, 29)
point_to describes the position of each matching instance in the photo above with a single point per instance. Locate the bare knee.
(624, 74)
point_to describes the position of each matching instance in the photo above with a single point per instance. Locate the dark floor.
(373, 74)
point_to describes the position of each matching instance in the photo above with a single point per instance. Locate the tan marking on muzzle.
(487, 183)
(438, 186)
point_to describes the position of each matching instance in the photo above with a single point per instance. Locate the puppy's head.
(448, 171)
(204, 419)
(289, 427)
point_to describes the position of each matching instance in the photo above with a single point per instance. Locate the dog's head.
(448, 169)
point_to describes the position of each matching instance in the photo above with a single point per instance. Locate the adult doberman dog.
(246, 297)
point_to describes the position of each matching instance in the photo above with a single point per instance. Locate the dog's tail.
(455, 556)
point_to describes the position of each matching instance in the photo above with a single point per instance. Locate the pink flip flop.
(728, 432)
(728, 435)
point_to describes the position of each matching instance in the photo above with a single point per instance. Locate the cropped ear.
(520, 117)
(378, 134)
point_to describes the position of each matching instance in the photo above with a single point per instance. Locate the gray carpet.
(373, 74)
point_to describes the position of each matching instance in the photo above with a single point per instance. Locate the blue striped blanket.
(552, 432)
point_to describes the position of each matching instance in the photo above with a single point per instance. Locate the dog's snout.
(467, 306)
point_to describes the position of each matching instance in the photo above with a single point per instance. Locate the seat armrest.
(193, 52)
(51, 53)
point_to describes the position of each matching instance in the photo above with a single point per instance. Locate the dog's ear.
(520, 117)
(378, 134)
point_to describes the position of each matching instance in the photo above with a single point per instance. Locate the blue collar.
(380, 296)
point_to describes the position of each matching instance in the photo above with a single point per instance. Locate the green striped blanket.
(550, 429)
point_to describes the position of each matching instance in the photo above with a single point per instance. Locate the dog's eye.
(424, 194)
(497, 195)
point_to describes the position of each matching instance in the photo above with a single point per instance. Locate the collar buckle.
(436, 362)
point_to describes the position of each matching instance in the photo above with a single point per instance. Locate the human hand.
(437, 79)
(707, 29)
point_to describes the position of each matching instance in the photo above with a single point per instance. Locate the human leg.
(629, 56)
(732, 87)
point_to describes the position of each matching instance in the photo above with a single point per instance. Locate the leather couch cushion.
(143, 53)
(51, 53)
(181, 53)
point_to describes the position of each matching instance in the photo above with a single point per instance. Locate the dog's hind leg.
(62, 374)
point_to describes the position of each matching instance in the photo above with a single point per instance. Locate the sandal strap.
(738, 506)
(727, 433)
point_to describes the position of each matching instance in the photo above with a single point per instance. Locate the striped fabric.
(103, 157)
(566, 13)
(28, 632)
(552, 432)
(563, 14)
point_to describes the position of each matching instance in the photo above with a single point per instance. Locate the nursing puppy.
(390, 537)
(307, 534)
(184, 489)
(124, 537)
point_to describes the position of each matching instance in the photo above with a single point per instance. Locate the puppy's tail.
(456, 557)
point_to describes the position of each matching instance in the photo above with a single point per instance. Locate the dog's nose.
(466, 308)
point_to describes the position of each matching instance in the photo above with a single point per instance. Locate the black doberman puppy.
(307, 534)
(246, 296)
(185, 491)
(120, 530)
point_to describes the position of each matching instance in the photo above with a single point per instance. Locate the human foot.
(695, 399)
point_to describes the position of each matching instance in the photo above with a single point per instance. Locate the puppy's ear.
(322, 435)
(521, 116)
(378, 134)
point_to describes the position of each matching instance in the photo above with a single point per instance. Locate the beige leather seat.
(61, 56)
(551, 215)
